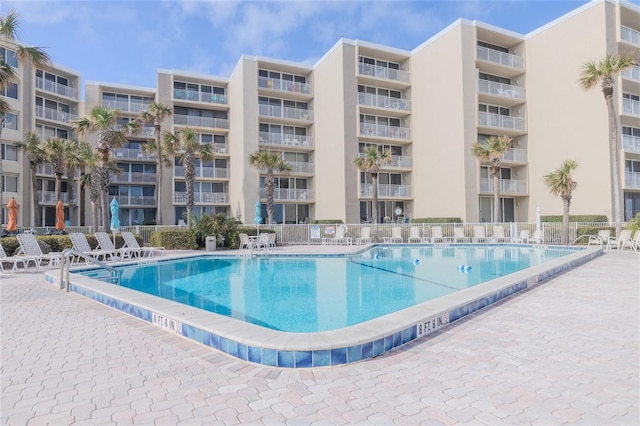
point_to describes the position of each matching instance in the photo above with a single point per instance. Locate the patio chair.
(31, 249)
(498, 234)
(623, 240)
(245, 242)
(414, 235)
(479, 235)
(11, 259)
(272, 240)
(396, 235)
(105, 243)
(538, 236)
(601, 239)
(80, 243)
(365, 236)
(523, 237)
(340, 237)
(635, 241)
(459, 236)
(136, 249)
(436, 234)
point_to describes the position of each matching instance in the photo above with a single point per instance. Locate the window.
(9, 57)
(10, 183)
(631, 96)
(494, 109)
(51, 132)
(11, 91)
(497, 79)
(9, 152)
(11, 121)
(632, 166)
(631, 131)
(493, 47)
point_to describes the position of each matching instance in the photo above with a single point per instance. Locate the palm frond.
(9, 25)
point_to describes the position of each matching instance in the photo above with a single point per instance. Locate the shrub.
(436, 220)
(216, 225)
(592, 230)
(55, 243)
(174, 239)
(576, 218)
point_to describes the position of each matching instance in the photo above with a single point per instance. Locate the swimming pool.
(313, 294)
(354, 343)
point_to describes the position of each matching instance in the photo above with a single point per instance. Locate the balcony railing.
(204, 172)
(386, 190)
(632, 73)
(298, 167)
(397, 161)
(220, 148)
(202, 197)
(135, 177)
(53, 87)
(631, 143)
(136, 200)
(269, 138)
(630, 35)
(49, 197)
(387, 102)
(497, 57)
(131, 154)
(507, 186)
(55, 115)
(487, 119)
(518, 155)
(384, 131)
(632, 180)
(631, 106)
(288, 194)
(196, 96)
(194, 121)
(285, 112)
(500, 89)
(383, 72)
(284, 85)
(47, 169)
(126, 106)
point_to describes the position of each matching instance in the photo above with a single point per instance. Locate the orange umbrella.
(12, 226)
(59, 216)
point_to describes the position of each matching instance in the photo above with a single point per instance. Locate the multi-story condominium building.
(427, 107)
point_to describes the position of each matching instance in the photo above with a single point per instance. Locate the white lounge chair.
(365, 236)
(479, 235)
(414, 235)
(396, 235)
(635, 241)
(11, 259)
(80, 243)
(538, 236)
(436, 234)
(106, 244)
(624, 240)
(498, 234)
(523, 237)
(459, 236)
(136, 249)
(31, 249)
(245, 242)
(601, 239)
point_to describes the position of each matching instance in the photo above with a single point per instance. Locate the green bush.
(592, 230)
(215, 225)
(174, 239)
(634, 224)
(576, 218)
(10, 245)
(48, 243)
(436, 220)
(325, 221)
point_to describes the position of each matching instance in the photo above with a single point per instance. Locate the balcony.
(285, 85)
(397, 161)
(288, 194)
(486, 119)
(131, 154)
(280, 139)
(631, 107)
(220, 148)
(55, 115)
(135, 177)
(631, 143)
(285, 112)
(632, 180)
(500, 89)
(57, 88)
(386, 102)
(384, 131)
(196, 96)
(500, 58)
(383, 72)
(47, 170)
(136, 200)
(297, 167)
(386, 190)
(507, 186)
(194, 121)
(126, 106)
(202, 197)
(49, 197)
(204, 172)
(514, 155)
(631, 73)
(629, 35)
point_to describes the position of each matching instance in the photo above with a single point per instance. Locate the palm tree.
(33, 56)
(32, 148)
(561, 183)
(605, 73)
(111, 134)
(73, 162)
(271, 162)
(55, 153)
(491, 154)
(370, 161)
(184, 144)
(156, 113)
(89, 165)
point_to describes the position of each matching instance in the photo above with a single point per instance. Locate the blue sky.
(127, 41)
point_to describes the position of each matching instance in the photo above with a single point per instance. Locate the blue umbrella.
(258, 218)
(115, 208)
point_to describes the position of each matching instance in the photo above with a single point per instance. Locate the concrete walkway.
(566, 352)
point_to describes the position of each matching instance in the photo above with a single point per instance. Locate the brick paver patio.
(566, 352)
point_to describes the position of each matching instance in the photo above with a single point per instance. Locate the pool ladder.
(65, 265)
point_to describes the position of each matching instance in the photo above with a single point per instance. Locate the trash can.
(210, 243)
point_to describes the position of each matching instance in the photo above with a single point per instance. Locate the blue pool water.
(309, 294)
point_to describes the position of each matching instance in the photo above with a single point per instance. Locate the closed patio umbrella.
(258, 218)
(115, 221)
(12, 206)
(59, 216)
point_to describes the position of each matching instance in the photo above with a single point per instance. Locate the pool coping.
(264, 346)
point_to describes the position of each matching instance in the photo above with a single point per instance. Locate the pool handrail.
(66, 262)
